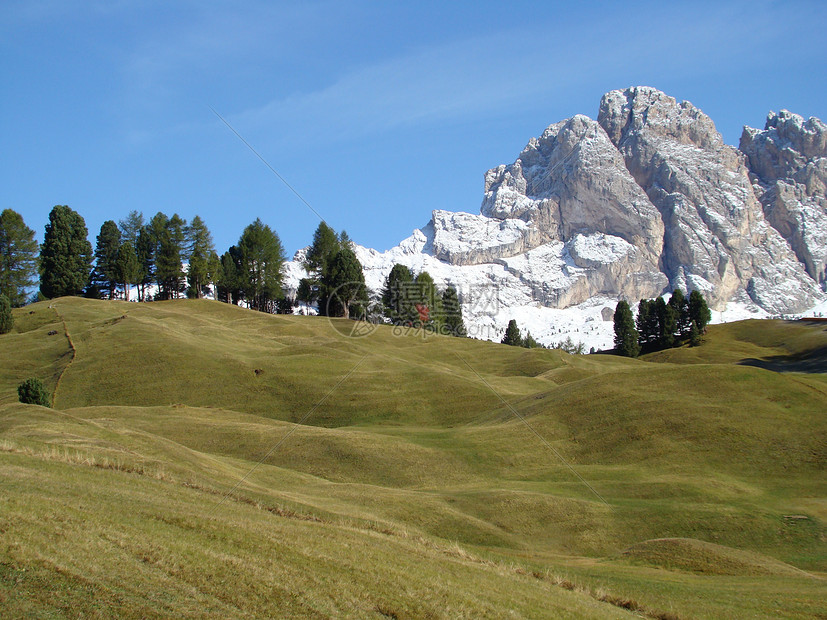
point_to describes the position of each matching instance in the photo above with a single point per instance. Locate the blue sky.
(376, 112)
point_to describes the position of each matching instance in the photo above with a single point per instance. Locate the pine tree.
(699, 311)
(18, 257)
(667, 323)
(626, 336)
(647, 323)
(345, 282)
(680, 306)
(512, 335)
(127, 267)
(428, 303)
(262, 258)
(453, 323)
(105, 275)
(694, 335)
(6, 317)
(529, 342)
(399, 296)
(229, 283)
(65, 255)
(145, 250)
(198, 247)
(215, 271)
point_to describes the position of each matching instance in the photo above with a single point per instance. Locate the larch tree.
(199, 245)
(131, 226)
(18, 257)
(65, 255)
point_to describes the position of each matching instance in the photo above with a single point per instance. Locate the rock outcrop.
(788, 162)
(716, 237)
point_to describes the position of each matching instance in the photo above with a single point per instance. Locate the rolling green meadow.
(203, 460)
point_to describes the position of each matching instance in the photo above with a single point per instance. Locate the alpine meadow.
(202, 459)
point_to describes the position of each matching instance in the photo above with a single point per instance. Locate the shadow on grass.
(814, 361)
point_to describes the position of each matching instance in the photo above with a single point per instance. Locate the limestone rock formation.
(788, 162)
(716, 237)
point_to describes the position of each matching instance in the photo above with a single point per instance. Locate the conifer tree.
(680, 307)
(65, 255)
(428, 304)
(453, 323)
(145, 250)
(529, 342)
(262, 258)
(18, 257)
(667, 323)
(105, 274)
(199, 245)
(127, 267)
(344, 282)
(626, 336)
(228, 284)
(512, 335)
(694, 335)
(131, 226)
(399, 296)
(647, 323)
(698, 310)
(6, 317)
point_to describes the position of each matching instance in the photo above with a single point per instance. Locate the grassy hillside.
(690, 483)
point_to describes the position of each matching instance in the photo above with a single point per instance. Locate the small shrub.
(32, 392)
(6, 318)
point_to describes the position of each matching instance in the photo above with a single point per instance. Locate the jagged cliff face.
(788, 162)
(646, 199)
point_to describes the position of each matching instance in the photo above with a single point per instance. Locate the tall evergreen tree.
(648, 323)
(667, 323)
(65, 255)
(228, 284)
(6, 317)
(345, 282)
(18, 257)
(399, 296)
(325, 246)
(128, 267)
(512, 335)
(145, 250)
(214, 271)
(131, 226)
(699, 311)
(170, 249)
(105, 274)
(452, 324)
(199, 245)
(262, 258)
(680, 307)
(428, 303)
(626, 336)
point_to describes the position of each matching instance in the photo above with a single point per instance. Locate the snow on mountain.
(643, 200)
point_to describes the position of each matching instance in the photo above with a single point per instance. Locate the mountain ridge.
(645, 199)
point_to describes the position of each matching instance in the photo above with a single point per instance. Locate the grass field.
(427, 476)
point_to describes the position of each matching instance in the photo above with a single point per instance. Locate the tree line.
(168, 258)
(169, 255)
(660, 324)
